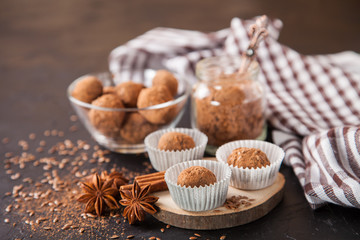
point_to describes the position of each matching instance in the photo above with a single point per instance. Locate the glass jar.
(226, 105)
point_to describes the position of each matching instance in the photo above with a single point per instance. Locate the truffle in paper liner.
(162, 160)
(199, 198)
(254, 178)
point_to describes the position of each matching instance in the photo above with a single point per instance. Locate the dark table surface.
(45, 45)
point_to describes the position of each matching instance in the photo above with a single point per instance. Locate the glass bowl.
(129, 138)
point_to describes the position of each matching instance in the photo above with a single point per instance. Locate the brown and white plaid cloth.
(313, 101)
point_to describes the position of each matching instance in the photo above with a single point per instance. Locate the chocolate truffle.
(175, 141)
(107, 122)
(196, 176)
(163, 77)
(136, 128)
(87, 89)
(153, 96)
(129, 92)
(248, 158)
(109, 90)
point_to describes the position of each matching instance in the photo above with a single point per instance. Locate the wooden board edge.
(228, 220)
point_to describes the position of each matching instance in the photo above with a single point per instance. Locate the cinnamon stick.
(158, 186)
(150, 179)
(146, 176)
(155, 186)
(156, 181)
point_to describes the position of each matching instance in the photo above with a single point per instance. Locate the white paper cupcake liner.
(252, 179)
(162, 160)
(199, 198)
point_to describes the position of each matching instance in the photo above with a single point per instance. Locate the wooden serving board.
(263, 201)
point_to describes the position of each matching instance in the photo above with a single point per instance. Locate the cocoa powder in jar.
(229, 109)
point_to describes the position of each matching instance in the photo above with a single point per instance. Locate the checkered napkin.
(313, 101)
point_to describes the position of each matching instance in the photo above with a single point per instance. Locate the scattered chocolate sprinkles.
(46, 204)
(235, 202)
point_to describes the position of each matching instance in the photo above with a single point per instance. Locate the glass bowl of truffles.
(120, 111)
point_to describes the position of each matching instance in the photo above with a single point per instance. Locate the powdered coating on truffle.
(136, 128)
(196, 176)
(87, 89)
(175, 141)
(163, 77)
(107, 122)
(153, 96)
(129, 92)
(248, 158)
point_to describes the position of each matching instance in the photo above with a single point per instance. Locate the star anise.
(99, 194)
(137, 202)
(118, 178)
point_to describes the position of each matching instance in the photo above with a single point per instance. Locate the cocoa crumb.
(54, 132)
(9, 154)
(8, 208)
(5, 140)
(73, 118)
(39, 149)
(40, 219)
(27, 180)
(73, 128)
(235, 202)
(66, 226)
(30, 212)
(32, 136)
(15, 176)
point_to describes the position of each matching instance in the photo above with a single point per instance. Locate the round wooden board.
(262, 202)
